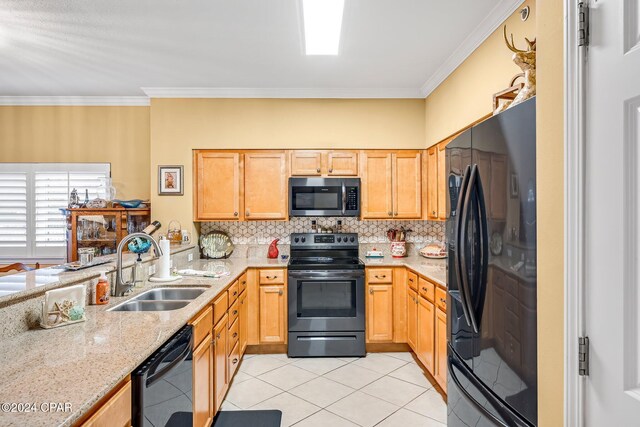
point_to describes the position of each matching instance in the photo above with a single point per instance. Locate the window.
(32, 227)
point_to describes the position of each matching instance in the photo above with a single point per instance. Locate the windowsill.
(28, 261)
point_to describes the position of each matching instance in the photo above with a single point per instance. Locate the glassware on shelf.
(85, 255)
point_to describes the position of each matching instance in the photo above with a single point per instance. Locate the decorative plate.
(496, 244)
(216, 244)
(436, 250)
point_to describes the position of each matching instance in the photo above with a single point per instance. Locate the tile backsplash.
(261, 232)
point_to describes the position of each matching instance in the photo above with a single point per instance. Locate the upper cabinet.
(407, 186)
(240, 185)
(265, 185)
(218, 185)
(324, 163)
(432, 183)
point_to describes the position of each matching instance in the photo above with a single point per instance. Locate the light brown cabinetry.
(432, 183)
(379, 305)
(265, 185)
(442, 182)
(324, 163)
(220, 360)
(272, 318)
(244, 323)
(426, 313)
(440, 373)
(412, 319)
(115, 411)
(202, 383)
(391, 184)
(218, 185)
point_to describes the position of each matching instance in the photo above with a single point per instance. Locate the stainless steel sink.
(163, 294)
(133, 305)
(160, 299)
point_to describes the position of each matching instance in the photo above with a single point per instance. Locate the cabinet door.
(218, 182)
(441, 349)
(306, 163)
(498, 187)
(412, 319)
(426, 348)
(265, 185)
(379, 313)
(244, 322)
(203, 383)
(376, 178)
(407, 188)
(432, 183)
(114, 412)
(220, 373)
(442, 182)
(342, 163)
(273, 316)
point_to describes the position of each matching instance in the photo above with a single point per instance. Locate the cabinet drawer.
(412, 281)
(272, 277)
(233, 312)
(380, 275)
(233, 292)
(441, 299)
(234, 332)
(426, 289)
(234, 361)
(202, 325)
(242, 283)
(220, 306)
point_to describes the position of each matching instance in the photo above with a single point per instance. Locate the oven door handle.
(322, 275)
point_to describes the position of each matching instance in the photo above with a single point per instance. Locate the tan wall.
(467, 94)
(119, 135)
(180, 125)
(550, 164)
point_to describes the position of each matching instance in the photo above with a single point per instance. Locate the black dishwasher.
(162, 386)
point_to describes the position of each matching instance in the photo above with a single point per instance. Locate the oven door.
(326, 300)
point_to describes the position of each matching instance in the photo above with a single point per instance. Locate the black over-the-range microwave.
(324, 196)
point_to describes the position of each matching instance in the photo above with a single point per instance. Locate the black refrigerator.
(491, 237)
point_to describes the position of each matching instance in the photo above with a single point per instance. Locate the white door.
(612, 216)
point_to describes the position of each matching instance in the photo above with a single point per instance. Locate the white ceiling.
(389, 48)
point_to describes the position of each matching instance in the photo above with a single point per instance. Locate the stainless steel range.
(326, 296)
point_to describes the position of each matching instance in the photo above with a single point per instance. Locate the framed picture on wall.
(170, 182)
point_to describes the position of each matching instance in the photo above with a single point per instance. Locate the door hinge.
(583, 356)
(583, 24)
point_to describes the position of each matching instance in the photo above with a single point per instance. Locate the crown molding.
(222, 92)
(75, 100)
(503, 10)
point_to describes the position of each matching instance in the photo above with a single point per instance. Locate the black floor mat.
(270, 418)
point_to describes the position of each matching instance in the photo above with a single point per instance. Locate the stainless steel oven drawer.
(318, 344)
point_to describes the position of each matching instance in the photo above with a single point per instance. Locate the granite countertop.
(79, 364)
(434, 269)
(26, 284)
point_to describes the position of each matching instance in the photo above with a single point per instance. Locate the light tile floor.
(383, 389)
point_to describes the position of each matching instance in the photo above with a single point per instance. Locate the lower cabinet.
(115, 411)
(202, 383)
(220, 378)
(273, 328)
(426, 320)
(441, 349)
(412, 319)
(379, 313)
(244, 323)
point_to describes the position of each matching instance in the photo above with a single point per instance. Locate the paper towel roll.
(164, 268)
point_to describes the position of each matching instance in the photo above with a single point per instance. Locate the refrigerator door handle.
(458, 255)
(510, 423)
(464, 285)
(484, 259)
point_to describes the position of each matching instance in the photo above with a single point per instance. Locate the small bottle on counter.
(100, 291)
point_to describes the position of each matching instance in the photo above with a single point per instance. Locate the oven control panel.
(324, 240)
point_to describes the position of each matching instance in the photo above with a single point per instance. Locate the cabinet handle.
(395, 213)
(424, 289)
(235, 334)
(411, 280)
(280, 292)
(247, 213)
(330, 170)
(244, 282)
(318, 170)
(371, 291)
(433, 213)
(235, 293)
(390, 213)
(234, 312)
(235, 214)
(381, 277)
(235, 360)
(218, 337)
(271, 277)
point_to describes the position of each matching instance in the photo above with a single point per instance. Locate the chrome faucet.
(121, 287)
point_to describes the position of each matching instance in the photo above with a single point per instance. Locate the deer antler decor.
(525, 59)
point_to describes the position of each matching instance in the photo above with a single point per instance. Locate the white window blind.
(31, 196)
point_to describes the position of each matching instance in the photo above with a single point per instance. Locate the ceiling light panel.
(322, 26)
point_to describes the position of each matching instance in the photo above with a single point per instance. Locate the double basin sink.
(160, 299)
